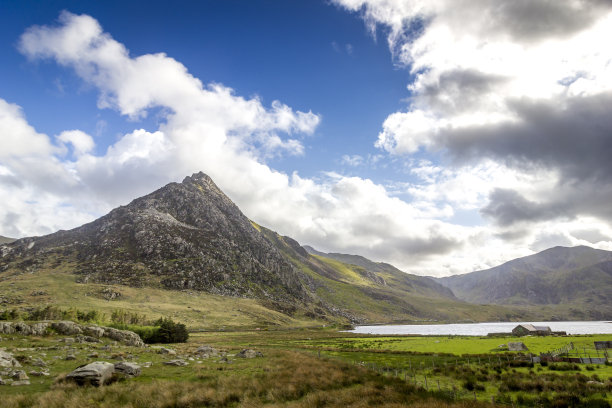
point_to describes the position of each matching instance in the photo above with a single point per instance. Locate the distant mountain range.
(576, 281)
(190, 236)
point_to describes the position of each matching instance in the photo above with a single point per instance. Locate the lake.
(482, 329)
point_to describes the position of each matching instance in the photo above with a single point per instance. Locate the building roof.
(532, 328)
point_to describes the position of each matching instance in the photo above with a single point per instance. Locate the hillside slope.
(5, 240)
(192, 240)
(576, 280)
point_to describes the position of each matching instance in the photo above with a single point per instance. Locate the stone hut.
(530, 329)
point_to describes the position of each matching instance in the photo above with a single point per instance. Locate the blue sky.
(295, 52)
(442, 138)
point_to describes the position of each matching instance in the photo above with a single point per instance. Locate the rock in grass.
(127, 369)
(207, 351)
(97, 373)
(249, 353)
(20, 382)
(38, 362)
(20, 375)
(178, 362)
(517, 346)
(168, 351)
(7, 360)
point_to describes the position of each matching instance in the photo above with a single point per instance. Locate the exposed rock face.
(185, 235)
(98, 373)
(70, 328)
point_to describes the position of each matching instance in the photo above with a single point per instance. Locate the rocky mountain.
(189, 238)
(5, 240)
(185, 235)
(578, 279)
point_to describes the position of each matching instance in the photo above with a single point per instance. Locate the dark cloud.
(507, 207)
(574, 136)
(528, 20)
(458, 91)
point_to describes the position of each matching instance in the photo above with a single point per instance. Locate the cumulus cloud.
(526, 84)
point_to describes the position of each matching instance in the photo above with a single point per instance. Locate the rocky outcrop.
(97, 373)
(7, 360)
(187, 235)
(92, 332)
(249, 353)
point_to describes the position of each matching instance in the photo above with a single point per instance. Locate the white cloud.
(81, 142)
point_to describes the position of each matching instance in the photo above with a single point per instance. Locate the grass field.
(318, 367)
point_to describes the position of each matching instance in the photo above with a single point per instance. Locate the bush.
(164, 330)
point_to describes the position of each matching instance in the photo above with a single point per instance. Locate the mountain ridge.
(574, 277)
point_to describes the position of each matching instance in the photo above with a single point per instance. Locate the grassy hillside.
(56, 285)
(5, 240)
(379, 293)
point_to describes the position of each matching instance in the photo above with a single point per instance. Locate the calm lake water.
(482, 329)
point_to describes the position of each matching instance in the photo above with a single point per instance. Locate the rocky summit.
(187, 235)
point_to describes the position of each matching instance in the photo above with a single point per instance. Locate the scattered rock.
(97, 373)
(207, 351)
(66, 327)
(7, 360)
(178, 362)
(128, 369)
(38, 362)
(38, 373)
(517, 346)
(20, 375)
(168, 351)
(20, 382)
(67, 340)
(249, 353)
(70, 357)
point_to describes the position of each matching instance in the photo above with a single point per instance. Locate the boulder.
(7, 360)
(39, 329)
(38, 362)
(6, 328)
(20, 375)
(94, 331)
(178, 362)
(168, 351)
(22, 328)
(517, 346)
(249, 353)
(127, 369)
(97, 373)
(124, 336)
(66, 327)
(207, 351)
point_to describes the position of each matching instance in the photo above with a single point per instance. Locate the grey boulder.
(97, 373)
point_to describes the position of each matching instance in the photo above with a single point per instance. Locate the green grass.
(197, 310)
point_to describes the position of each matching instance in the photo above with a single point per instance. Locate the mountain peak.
(198, 177)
